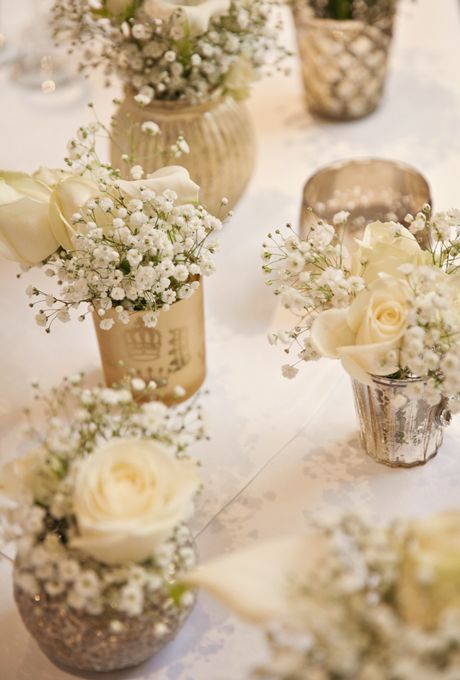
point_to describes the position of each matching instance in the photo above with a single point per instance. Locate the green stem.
(340, 9)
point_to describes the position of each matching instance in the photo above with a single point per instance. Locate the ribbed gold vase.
(219, 133)
(173, 354)
(344, 63)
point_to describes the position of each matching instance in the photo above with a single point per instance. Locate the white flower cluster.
(309, 275)
(127, 410)
(41, 520)
(392, 281)
(88, 586)
(431, 342)
(131, 247)
(350, 625)
(160, 58)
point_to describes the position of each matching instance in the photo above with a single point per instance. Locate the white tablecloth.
(280, 450)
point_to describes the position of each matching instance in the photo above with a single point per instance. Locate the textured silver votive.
(394, 434)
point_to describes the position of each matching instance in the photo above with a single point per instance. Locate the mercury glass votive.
(370, 189)
(400, 433)
(344, 63)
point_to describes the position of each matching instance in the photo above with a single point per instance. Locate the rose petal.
(173, 177)
(369, 358)
(258, 582)
(330, 331)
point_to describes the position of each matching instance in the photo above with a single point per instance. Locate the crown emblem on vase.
(142, 344)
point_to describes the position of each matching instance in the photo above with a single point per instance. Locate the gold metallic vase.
(219, 133)
(173, 354)
(344, 63)
(370, 189)
(398, 432)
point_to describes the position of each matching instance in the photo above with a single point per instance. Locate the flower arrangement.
(344, 10)
(98, 508)
(388, 309)
(170, 51)
(351, 600)
(112, 245)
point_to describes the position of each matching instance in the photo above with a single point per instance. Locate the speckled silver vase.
(107, 642)
(398, 432)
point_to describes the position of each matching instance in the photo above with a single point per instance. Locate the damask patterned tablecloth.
(280, 451)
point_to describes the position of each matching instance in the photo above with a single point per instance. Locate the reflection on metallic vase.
(394, 434)
(219, 133)
(85, 642)
(344, 63)
(370, 189)
(173, 354)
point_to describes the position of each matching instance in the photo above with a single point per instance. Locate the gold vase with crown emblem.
(173, 354)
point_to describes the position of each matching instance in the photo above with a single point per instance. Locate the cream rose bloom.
(129, 496)
(172, 177)
(25, 233)
(362, 335)
(386, 246)
(430, 576)
(66, 199)
(197, 13)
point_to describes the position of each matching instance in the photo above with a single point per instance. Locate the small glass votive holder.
(370, 189)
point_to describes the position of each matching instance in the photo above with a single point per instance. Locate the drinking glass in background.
(38, 63)
(7, 51)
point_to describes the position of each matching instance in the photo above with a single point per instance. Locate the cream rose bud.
(25, 233)
(66, 199)
(430, 575)
(197, 14)
(18, 476)
(362, 335)
(171, 177)
(129, 496)
(240, 77)
(386, 246)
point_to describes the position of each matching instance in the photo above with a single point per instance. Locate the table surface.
(280, 451)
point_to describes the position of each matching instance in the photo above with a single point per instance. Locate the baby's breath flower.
(168, 58)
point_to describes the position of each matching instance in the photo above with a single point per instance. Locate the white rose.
(430, 575)
(25, 233)
(117, 7)
(386, 246)
(172, 177)
(240, 77)
(66, 199)
(362, 335)
(51, 176)
(197, 15)
(129, 496)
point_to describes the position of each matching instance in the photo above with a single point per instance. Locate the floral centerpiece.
(344, 47)
(388, 312)
(97, 511)
(189, 65)
(351, 600)
(130, 252)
